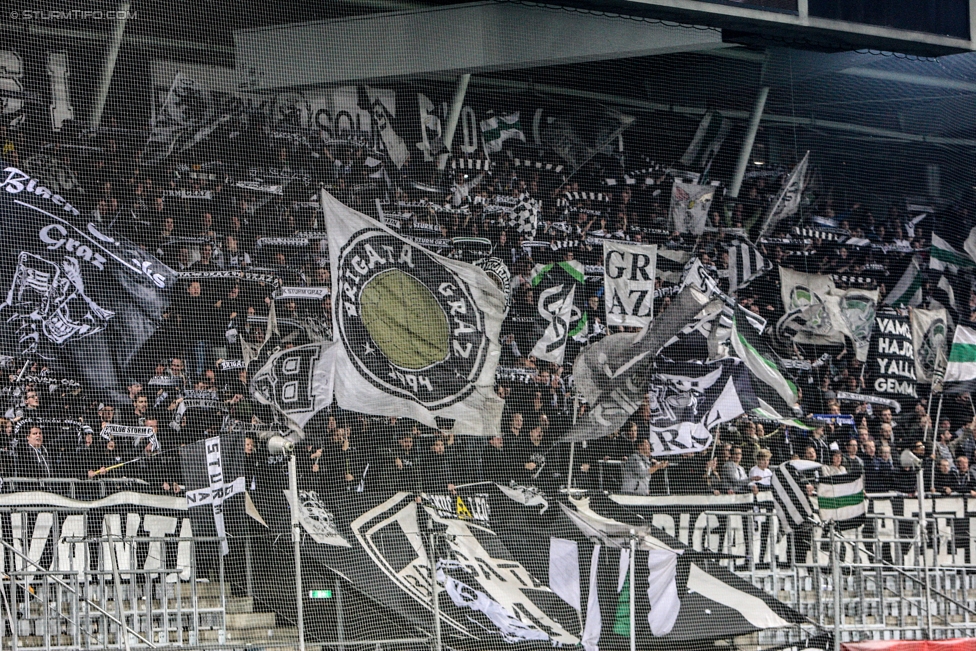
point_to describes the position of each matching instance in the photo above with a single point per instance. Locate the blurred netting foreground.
(458, 298)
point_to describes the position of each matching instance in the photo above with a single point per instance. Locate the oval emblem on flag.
(408, 322)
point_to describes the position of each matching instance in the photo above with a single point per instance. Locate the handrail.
(91, 603)
(902, 572)
(49, 608)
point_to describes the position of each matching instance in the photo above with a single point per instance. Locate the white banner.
(628, 281)
(689, 206)
(819, 313)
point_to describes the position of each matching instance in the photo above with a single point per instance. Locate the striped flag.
(788, 200)
(908, 290)
(793, 507)
(745, 265)
(962, 356)
(840, 499)
(944, 257)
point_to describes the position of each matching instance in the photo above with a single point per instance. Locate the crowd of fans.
(239, 250)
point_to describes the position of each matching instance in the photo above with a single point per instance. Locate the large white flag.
(628, 281)
(689, 206)
(816, 312)
(417, 334)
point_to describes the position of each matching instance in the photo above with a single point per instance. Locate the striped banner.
(793, 507)
(840, 499)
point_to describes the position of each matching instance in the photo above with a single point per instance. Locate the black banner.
(77, 296)
(891, 360)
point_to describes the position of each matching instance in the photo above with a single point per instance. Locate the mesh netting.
(310, 339)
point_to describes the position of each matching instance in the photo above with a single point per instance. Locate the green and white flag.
(561, 306)
(496, 130)
(760, 359)
(840, 499)
(908, 290)
(962, 356)
(946, 258)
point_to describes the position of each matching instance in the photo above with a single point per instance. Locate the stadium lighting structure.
(280, 445)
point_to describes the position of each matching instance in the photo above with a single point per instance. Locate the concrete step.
(266, 636)
(242, 621)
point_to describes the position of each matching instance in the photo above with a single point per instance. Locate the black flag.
(76, 295)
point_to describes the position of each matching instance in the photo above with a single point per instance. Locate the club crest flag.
(628, 281)
(689, 206)
(816, 312)
(417, 334)
(930, 329)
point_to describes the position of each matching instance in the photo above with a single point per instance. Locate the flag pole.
(935, 431)
(633, 592)
(572, 446)
(922, 535)
(435, 599)
(296, 543)
(838, 594)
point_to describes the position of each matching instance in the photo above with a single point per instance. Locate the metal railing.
(86, 489)
(72, 607)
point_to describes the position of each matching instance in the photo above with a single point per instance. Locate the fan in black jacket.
(436, 470)
(496, 463)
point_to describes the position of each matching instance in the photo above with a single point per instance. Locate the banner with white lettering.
(628, 279)
(891, 363)
(75, 294)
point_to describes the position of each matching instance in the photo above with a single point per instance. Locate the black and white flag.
(891, 363)
(562, 306)
(298, 382)
(711, 131)
(186, 113)
(613, 374)
(790, 497)
(746, 264)
(628, 281)
(213, 473)
(687, 400)
(788, 200)
(76, 294)
(417, 334)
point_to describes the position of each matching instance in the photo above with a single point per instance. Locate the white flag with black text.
(417, 334)
(628, 281)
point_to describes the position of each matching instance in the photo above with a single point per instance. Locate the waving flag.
(75, 292)
(962, 356)
(496, 130)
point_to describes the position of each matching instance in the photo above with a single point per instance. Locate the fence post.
(435, 600)
(838, 589)
(633, 592)
(296, 544)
